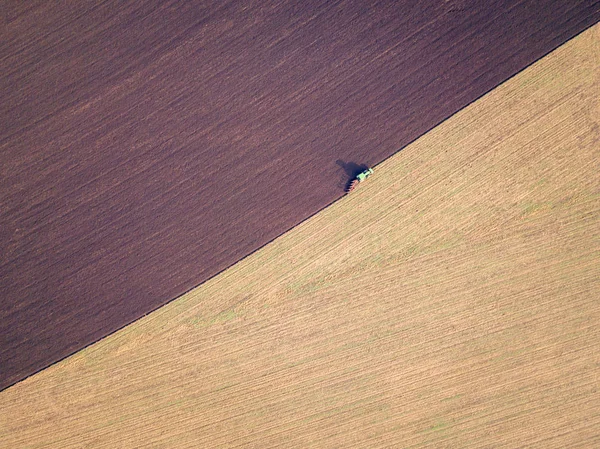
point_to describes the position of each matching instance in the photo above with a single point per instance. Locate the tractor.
(358, 179)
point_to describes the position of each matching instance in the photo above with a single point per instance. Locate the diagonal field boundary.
(445, 303)
(146, 146)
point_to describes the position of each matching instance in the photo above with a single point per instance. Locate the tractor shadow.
(351, 170)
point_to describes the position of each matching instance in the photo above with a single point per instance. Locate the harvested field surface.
(145, 146)
(450, 301)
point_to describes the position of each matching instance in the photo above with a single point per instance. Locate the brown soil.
(451, 301)
(147, 145)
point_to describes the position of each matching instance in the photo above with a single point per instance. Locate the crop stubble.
(146, 145)
(450, 302)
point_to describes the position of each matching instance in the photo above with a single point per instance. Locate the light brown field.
(451, 301)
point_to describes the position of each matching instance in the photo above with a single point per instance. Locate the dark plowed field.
(146, 145)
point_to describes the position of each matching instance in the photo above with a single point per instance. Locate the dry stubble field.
(450, 302)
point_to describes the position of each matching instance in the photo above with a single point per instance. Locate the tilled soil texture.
(147, 145)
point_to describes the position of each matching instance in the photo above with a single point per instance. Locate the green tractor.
(358, 179)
